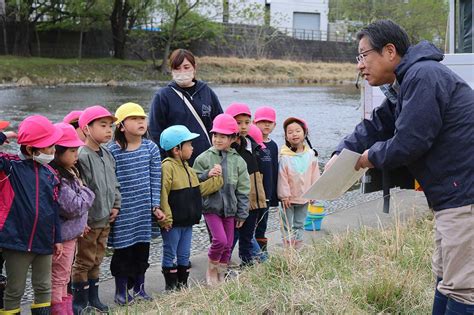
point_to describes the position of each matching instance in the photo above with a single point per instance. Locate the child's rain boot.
(212, 274)
(80, 293)
(139, 288)
(183, 274)
(171, 278)
(10, 312)
(94, 300)
(122, 297)
(68, 305)
(58, 308)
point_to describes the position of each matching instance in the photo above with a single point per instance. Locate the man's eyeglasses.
(361, 57)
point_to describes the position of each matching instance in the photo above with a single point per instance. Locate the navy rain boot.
(122, 297)
(94, 300)
(139, 288)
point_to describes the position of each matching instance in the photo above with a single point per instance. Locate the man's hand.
(113, 214)
(239, 223)
(58, 251)
(330, 162)
(215, 171)
(10, 134)
(363, 161)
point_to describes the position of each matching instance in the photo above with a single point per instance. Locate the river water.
(330, 111)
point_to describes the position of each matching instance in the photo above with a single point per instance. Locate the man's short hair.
(383, 32)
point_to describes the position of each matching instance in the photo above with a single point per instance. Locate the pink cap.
(290, 120)
(257, 135)
(236, 109)
(4, 124)
(265, 113)
(38, 132)
(69, 139)
(72, 116)
(225, 124)
(92, 113)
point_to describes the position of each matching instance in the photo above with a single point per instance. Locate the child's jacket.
(297, 172)
(181, 192)
(74, 201)
(98, 173)
(29, 220)
(232, 200)
(257, 196)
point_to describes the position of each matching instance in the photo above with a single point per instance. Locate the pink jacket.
(296, 173)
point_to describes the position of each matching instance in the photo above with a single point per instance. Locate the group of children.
(95, 180)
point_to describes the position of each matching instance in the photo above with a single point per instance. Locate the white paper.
(337, 179)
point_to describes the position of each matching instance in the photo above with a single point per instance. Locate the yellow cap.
(127, 110)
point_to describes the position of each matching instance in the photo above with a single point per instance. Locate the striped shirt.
(139, 175)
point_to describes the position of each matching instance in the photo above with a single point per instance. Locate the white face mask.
(43, 158)
(184, 79)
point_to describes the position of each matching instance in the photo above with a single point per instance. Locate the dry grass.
(368, 271)
(48, 71)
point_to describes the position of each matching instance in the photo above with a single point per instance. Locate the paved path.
(404, 205)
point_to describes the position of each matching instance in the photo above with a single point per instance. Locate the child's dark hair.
(54, 164)
(25, 152)
(119, 136)
(299, 122)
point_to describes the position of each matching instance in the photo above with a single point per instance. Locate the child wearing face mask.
(74, 201)
(30, 230)
(97, 169)
(138, 170)
(298, 170)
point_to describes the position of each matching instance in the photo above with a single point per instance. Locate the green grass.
(367, 271)
(49, 71)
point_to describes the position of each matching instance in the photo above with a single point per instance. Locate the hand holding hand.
(160, 215)
(363, 161)
(239, 223)
(87, 229)
(215, 171)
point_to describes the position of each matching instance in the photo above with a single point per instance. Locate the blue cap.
(174, 136)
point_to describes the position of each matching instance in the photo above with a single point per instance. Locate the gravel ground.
(200, 241)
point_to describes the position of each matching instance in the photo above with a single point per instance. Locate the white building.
(301, 18)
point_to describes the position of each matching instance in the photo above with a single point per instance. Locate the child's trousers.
(89, 254)
(17, 264)
(222, 231)
(293, 221)
(61, 272)
(176, 246)
(130, 261)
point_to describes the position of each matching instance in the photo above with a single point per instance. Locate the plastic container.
(313, 221)
(316, 208)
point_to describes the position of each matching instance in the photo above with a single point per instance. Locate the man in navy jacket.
(428, 126)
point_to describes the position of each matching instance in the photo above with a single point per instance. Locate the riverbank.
(362, 262)
(17, 71)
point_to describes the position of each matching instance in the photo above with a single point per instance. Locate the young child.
(265, 120)
(74, 201)
(227, 208)
(30, 230)
(298, 170)
(73, 119)
(181, 202)
(97, 169)
(138, 169)
(248, 149)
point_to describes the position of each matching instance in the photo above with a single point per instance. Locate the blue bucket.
(313, 222)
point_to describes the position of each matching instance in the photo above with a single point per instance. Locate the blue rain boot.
(122, 297)
(139, 288)
(457, 308)
(94, 300)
